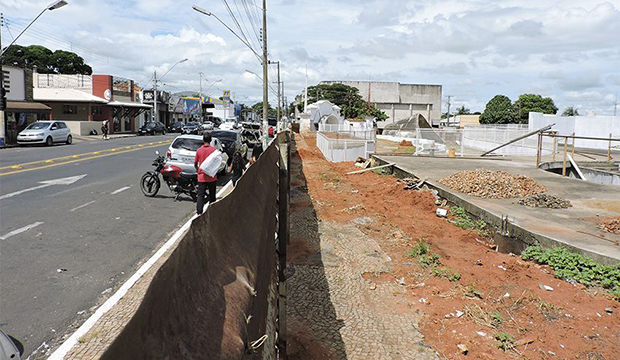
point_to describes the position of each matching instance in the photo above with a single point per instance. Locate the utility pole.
(306, 92)
(155, 96)
(265, 80)
(2, 91)
(615, 104)
(449, 104)
(200, 96)
(279, 102)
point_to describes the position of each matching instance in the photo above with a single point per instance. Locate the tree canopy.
(570, 111)
(499, 110)
(527, 103)
(46, 61)
(347, 97)
(258, 109)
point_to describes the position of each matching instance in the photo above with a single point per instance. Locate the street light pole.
(155, 80)
(53, 6)
(265, 81)
(278, 93)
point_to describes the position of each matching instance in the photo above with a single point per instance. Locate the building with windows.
(85, 101)
(400, 101)
(21, 109)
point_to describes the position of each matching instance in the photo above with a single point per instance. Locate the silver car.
(45, 132)
(182, 152)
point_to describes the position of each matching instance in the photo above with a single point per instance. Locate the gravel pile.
(545, 201)
(611, 225)
(492, 184)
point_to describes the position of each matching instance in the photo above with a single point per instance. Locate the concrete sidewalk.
(80, 138)
(574, 227)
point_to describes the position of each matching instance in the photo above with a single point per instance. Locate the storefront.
(20, 114)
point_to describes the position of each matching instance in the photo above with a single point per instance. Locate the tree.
(463, 111)
(258, 109)
(499, 110)
(533, 103)
(347, 97)
(570, 111)
(46, 61)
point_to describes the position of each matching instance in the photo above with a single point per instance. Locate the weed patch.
(570, 265)
(464, 221)
(447, 273)
(505, 341)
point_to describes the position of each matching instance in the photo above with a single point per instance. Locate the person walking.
(104, 129)
(205, 182)
(237, 166)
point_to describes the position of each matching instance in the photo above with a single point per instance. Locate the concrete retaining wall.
(217, 293)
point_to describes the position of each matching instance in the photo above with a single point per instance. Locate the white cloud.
(475, 48)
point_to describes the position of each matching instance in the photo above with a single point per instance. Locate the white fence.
(359, 132)
(339, 150)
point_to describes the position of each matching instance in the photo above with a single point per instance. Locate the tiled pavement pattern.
(329, 300)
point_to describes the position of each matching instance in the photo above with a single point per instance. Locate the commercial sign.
(226, 97)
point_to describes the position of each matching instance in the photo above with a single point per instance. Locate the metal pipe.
(565, 151)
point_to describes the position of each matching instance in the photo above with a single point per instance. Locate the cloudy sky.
(568, 50)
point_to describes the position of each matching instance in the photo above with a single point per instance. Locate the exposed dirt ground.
(497, 293)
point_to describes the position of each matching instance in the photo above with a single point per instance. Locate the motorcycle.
(178, 182)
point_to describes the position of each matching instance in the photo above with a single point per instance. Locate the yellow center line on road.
(21, 169)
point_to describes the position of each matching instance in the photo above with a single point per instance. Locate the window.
(96, 110)
(61, 125)
(187, 144)
(69, 109)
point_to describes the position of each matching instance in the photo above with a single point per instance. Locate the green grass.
(464, 221)
(505, 341)
(570, 265)
(447, 273)
(420, 248)
(497, 318)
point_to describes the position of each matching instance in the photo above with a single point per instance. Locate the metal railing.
(566, 148)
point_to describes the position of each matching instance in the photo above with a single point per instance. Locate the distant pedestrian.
(256, 151)
(205, 182)
(104, 129)
(237, 166)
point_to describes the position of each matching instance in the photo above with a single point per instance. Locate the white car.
(229, 124)
(182, 152)
(45, 132)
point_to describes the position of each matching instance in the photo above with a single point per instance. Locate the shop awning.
(27, 107)
(129, 104)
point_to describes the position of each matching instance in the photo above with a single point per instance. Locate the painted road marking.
(20, 230)
(65, 347)
(47, 183)
(120, 190)
(65, 162)
(81, 206)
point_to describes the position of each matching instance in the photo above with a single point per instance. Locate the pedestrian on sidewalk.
(104, 129)
(237, 166)
(256, 151)
(205, 182)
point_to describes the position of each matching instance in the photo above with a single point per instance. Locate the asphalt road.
(65, 246)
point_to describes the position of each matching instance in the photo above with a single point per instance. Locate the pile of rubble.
(492, 184)
(545, 201)
(610, 225)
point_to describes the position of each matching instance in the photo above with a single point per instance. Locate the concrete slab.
(574, 227)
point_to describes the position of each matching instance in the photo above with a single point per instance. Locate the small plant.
(429, 260)
(447, 273)
(505, 341)
(420, 248)
(472, 292)
(569, 265)
(497, 318)
(464, 221)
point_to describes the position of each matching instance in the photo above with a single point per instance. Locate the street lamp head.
(57, 5)
(201, 10)
(182, 61)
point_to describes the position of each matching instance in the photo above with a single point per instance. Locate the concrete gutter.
(498, 221)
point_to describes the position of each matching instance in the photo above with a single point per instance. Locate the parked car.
(177, 127)
(214, 119)
(152, 128)
(231, 141)
(182, 152)
(207, 125)
(229, 124)
(191, 127)
(45, 132)
(250, 133)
